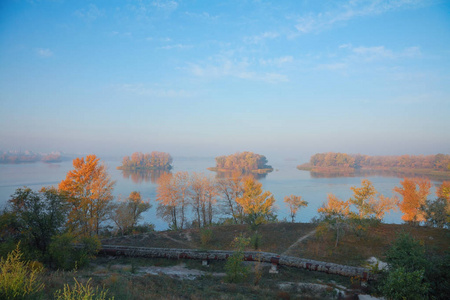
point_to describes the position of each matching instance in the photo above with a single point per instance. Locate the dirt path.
(176, 241)
(298, 242)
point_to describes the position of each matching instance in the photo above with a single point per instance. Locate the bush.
(235, 270)
(80, 292)
(17, 280)
(205, 236)
(67, 253)
(401, 284)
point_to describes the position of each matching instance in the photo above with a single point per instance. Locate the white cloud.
(241, 69)
(165, 4)
(381, 52)
(279, 61)
(261, 37)
(352, 9)
(177, 46)
(44, 52)
(332, 66)
(89, 14)
(155, 92)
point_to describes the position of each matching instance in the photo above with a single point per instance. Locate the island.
(437, 166)
(19, 157)
(244, 162)
(148, 161)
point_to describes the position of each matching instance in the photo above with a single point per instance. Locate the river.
(283, 181)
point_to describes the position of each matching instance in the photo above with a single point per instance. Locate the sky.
(208, 78)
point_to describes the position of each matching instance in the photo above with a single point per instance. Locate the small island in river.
(148, 161)
(244, 162)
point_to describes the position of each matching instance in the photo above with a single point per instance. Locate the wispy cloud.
(381, 52)
(239, 69)
(345, 11)
(44, 52)
(89, 14)
(147, 9)
(176, 46)
(155, 92)
(279, 61)
(268, 35)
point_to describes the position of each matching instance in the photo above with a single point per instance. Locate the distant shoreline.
(348, 171)
(256, 171)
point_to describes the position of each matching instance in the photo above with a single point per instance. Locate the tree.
(173, 194)
(436, 213)
(405, 276)
(294, 203)
(231, 188)
(127, 213)
(335, 214)
(38, 216)
(414, 193)
(257, 205)
(369, 203)
(89, 190)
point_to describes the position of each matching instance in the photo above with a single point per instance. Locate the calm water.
(283, 181)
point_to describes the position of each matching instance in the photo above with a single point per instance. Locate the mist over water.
(283, 181)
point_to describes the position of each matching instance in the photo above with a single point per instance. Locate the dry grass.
(353, 250)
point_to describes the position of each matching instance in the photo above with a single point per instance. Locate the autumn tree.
(335, 215)
(294, 203)
(173, 198)
(414, 192)
(230, 188)
(203, 198)
(257, 205)
(369, 203)
(89, 191)
(126, 213)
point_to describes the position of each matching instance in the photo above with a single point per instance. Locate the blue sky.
(286, 78)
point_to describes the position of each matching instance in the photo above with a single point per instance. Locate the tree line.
(439, 162)
(149, 161)
(244, 162)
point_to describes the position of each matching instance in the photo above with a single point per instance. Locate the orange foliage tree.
(173, 194)
(257, 205)
(414, 192)
(294, 203)
(89, 190)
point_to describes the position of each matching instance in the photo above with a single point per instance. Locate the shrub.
(67, 253)
(401, 284)
(80, 292)
(17, 281)
(205, 236)
(235, 270)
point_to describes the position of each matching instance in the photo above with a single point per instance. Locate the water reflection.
(382, 173)
(139, 176)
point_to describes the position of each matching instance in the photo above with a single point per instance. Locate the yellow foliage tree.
(370, 203)
(294, 203)
(89, 190)
(257, 205)
(335, 213)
